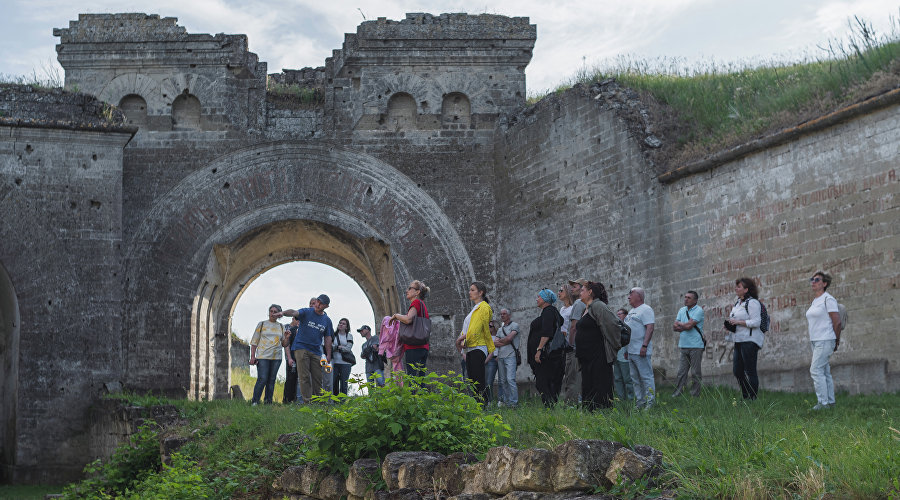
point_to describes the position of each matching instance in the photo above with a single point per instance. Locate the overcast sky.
(298, 33)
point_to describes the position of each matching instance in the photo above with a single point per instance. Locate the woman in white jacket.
(824, 336)
(748, 338)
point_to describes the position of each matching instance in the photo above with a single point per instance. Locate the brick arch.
(138, 84)
(175, 258)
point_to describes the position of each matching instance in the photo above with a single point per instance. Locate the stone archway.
(262, 206)
(9, 374)
(235, 265)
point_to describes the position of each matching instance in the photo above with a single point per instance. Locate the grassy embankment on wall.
(712, 106)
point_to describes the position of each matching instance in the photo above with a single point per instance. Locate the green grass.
(713, 446)
(719, 446)
(295, 94)
(8, 492)
(242, 377)
(716, 105)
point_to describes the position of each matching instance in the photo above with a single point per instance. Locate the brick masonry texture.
(126, 239)
(575, 199)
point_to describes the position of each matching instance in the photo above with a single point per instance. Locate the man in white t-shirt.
(824, 336)
(641, 319)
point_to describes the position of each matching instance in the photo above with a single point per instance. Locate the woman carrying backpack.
(824, 335)
(745, 319)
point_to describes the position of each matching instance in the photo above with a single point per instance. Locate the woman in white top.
(343, 342)
(748, 338)
(824, 335)
(265, 353)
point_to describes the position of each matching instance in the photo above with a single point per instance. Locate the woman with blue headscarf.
(546, 357)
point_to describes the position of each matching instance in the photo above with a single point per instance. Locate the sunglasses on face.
(815, 279)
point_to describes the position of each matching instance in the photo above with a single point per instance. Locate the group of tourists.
(585, 351)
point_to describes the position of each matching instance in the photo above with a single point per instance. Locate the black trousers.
(548, 375)
(475, 367)
(596, 383)
(744, 365)
(290, 383)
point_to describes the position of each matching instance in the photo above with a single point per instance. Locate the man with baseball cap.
(315, 326)
(374, 363)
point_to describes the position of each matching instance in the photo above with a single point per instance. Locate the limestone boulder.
(290, 480)
(401, 494)
(472, 478)
(418, 474)
(563, 495)
(332, 487)
(628, 466)
(496, 470)
(448, 475)
(582, 463)
(359, 479)
(653, 454)
(390, 468)
(533, 470)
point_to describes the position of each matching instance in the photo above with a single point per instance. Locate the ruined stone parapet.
(164, 78)
(28, 106)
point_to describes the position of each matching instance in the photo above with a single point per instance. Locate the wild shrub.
(128, 466)
(182, 480)
(430, 413)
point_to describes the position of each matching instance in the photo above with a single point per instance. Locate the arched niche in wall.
(9, 377)
(401, 111)
(456, 109)
(186, 112)
(135, 109)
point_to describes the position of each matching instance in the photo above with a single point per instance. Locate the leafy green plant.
(182, 480)
(429, 413)
(128, 466)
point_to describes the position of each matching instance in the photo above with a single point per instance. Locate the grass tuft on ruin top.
(293, 95)
(712, 106)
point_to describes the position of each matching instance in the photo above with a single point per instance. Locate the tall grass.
(714, 446)
(719, 446)
(718, 101)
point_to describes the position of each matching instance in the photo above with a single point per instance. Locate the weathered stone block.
(359, 479)
(581, 463)
(628, 466)
(533, 469)
(496, 470)
(418, 474)
(448, 474)
(390, 468)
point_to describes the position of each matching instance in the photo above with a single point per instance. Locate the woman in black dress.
(548, 366)
(593, 350)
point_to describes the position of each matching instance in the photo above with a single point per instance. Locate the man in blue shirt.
(689, 322)
(315, 326)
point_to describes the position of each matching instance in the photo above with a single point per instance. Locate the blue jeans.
(622, 380)
(341, 375)
(820, 370)
(490, 373)
(642, 380)
(266, 371)
(379, 377)
(509, 391)
(744, 368)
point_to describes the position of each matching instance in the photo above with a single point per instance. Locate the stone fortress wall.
(414, 158)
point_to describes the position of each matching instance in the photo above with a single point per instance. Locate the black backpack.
(763, 316)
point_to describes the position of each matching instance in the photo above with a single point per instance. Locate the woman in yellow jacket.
(475, 339)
